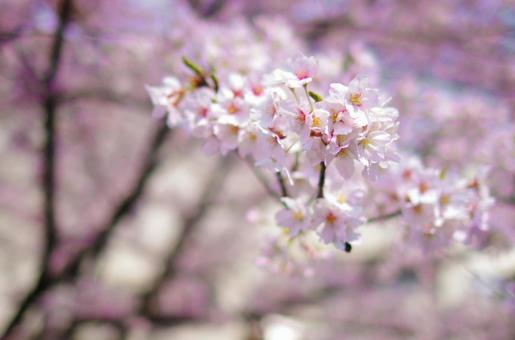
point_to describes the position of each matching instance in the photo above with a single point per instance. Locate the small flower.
(266, 111)
(198, 109)
(233, 106)
(270, 152)
(297, 117)
(249, 141)
(340, 121)
(373, 147)
(227, 131)
(343, 160)
(295, 217)
(339, 221)
(300, 72)
(357, 97)
(165, 99)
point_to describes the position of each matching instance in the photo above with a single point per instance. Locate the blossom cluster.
(287, 129)
(437, 207)
(331, 146)
(457, 130)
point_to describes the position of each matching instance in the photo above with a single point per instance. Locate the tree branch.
(263, 180)
(190, 225)
(124, 207)
(49, 105)
(321, 180)
(280, 179)
(384, 217)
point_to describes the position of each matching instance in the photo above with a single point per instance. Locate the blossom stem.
(294, 94)
(280, 179)
(381, 218)
(321, 180)
(308, 97)
(262, 179)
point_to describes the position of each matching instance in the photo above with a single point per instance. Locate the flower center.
(174, 97)
(252, 137)
(418, 209)
(302, 74)
(365, 143)
(234, 129)
(298, 216)
(301, 117)
(330, 218)
(342, 153)
(355, 99)
(232, 109)
(257, 90)
(203, 111)
(423, 187)
(445, 200)
(316, 122)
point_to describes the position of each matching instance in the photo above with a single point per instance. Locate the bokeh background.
(133, 233)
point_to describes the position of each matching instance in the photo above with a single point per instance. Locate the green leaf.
(194, 67)
(216, 85)
(316, 97)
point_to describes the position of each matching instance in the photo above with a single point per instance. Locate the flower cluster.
(437, 207)
(457, 130)
(283, 126)
(328, 144)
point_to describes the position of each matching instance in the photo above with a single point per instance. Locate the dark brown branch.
(384, 217)
(8, 36)
(49, 105)
(105, 95)
(282, 184)
(287, 305)
(124, 207)
(321, 180)
(190, 225)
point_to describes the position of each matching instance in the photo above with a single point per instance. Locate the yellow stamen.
(234, 129)
(342, 153)
(334, 116)
(418, 209)
(423, 187)
(445, 200)
(365, 143)
(232, 109)
(298, 216)
(316, 122)
(340, 139)
(355, 99)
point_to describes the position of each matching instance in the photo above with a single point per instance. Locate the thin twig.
(384, 217)
(263, 180)
(282, 184)
(321, 180)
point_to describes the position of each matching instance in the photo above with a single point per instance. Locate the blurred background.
(113, 226)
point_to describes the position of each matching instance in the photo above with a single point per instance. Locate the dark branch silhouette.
(49, 151)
